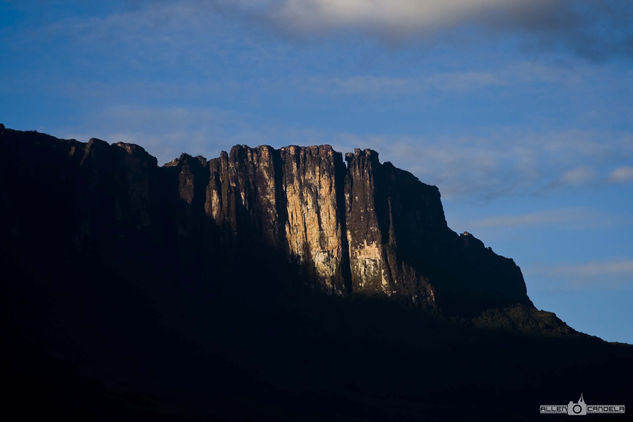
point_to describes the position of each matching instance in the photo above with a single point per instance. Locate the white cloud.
(621, 174)
(572, 25)
(577, 25)
(389, 15)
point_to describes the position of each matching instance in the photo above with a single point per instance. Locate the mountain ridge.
(180, 286)
(359, 225)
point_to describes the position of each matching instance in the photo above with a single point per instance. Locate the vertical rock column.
(243, 193)
(314, 228)
(369, 272)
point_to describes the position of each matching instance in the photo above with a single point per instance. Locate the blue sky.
(520, 111)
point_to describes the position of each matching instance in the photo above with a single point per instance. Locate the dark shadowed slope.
(266, 285)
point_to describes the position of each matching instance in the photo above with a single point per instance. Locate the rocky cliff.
(350, 226)
(265, 284)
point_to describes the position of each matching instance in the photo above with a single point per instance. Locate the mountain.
(292, 283)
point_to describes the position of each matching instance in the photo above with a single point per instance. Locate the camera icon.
(577, 409)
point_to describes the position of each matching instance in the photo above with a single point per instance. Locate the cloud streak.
(621, 174)
(486, 167)
(578, 176)
(452, 82)
(476, 167)
(574, 217)
(610, 273)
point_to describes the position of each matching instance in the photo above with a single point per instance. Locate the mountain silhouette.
(266, 284)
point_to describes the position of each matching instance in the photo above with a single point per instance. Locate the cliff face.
(360, 226)
(350, 227)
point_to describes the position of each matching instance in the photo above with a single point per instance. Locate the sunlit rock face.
(289, 199)
(349, 225)
(358, 226)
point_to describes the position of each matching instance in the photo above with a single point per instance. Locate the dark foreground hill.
(290, 284)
